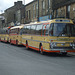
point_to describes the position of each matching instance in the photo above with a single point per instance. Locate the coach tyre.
(10, 42)
(64, 53)
(17, 42)
(41, 49)
(27, 45)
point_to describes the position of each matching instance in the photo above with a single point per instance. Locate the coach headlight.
(53, 45)
(72, 45)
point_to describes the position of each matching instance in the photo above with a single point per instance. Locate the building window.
(33, 7)
(43, 4)
(39, 29)
(48, 11)
(29, 14)
(43, 7)
(33, 11)
(37, 6)
(49, 1)
(69, 8)
(68, 11)
(36, 10)
(57, 13)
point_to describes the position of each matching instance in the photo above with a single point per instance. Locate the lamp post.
(23, 12)
(38, 10)
(24, 2)
(74, 14)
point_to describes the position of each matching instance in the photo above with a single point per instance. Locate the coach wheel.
(4, 39)
(27, 45)
(0, 39)
(41, 50)
(64, 53)
(17, 42)
(10, 41)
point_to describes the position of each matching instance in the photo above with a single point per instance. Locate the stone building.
(10, 13)
(2, 20)
(64, 8)
(42, 10)
(31, 11)
(18, 17)
(48, 9)
(34, 10)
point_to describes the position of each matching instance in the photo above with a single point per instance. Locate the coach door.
(45, 29)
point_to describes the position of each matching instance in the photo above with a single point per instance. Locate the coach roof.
(17, 27)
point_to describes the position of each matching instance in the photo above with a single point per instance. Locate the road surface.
(16, 60)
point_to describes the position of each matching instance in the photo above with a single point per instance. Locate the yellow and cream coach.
(57, 35)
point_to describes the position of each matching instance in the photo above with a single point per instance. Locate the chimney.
(18, 3)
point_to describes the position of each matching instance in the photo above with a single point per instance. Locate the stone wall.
(10, 13)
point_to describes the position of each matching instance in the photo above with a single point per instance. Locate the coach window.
(51, 30)
(6, 31)
(39, 29)
(18, 31)
(21, 31)
(28, 29)
(44, 28)
(33, 31)
(3, 31)
(15, 31)
(24, 30)
(11, 31)
(47, 29)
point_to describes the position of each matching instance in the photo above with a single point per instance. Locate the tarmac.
(72, 53)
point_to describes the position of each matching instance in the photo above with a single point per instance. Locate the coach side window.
(28, 29)
(17, 30)
(39, 29)
(47, 29)
(51, 29)
(33, 27)
(44, 28)
(23, 30)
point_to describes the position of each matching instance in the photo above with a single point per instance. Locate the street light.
(74, 14)
(24, 2)
(38, 10)
(23, 12)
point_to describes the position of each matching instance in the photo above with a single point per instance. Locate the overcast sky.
(4, 4)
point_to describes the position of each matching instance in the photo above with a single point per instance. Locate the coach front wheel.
(27, 45)
(41, 50)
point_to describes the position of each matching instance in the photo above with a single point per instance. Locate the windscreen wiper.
(60, 34)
